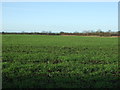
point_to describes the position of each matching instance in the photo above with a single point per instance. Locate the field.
(41, 61)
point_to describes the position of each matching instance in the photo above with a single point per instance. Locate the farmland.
(43, 61)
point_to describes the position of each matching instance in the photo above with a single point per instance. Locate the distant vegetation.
(85, 33)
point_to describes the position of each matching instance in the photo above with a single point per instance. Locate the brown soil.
(92, 36)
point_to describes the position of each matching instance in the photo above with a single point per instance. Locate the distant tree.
(91, 31)
(99, 32)
(44, 32)
(109, 32)
(3, 32)
(61, 33)
(22, 32)
(76, 32)
(49, 31)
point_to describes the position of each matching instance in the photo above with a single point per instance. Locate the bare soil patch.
(93, 36)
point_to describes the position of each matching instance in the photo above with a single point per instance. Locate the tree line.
(84, 33)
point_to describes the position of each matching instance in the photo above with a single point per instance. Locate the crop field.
(44, 61)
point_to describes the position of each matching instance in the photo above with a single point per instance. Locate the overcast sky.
(60, 16)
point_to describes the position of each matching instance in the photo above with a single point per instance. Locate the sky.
(59, 16)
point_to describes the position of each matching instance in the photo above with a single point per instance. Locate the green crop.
(41, 61)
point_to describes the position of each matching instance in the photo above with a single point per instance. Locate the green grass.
(42, 61)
